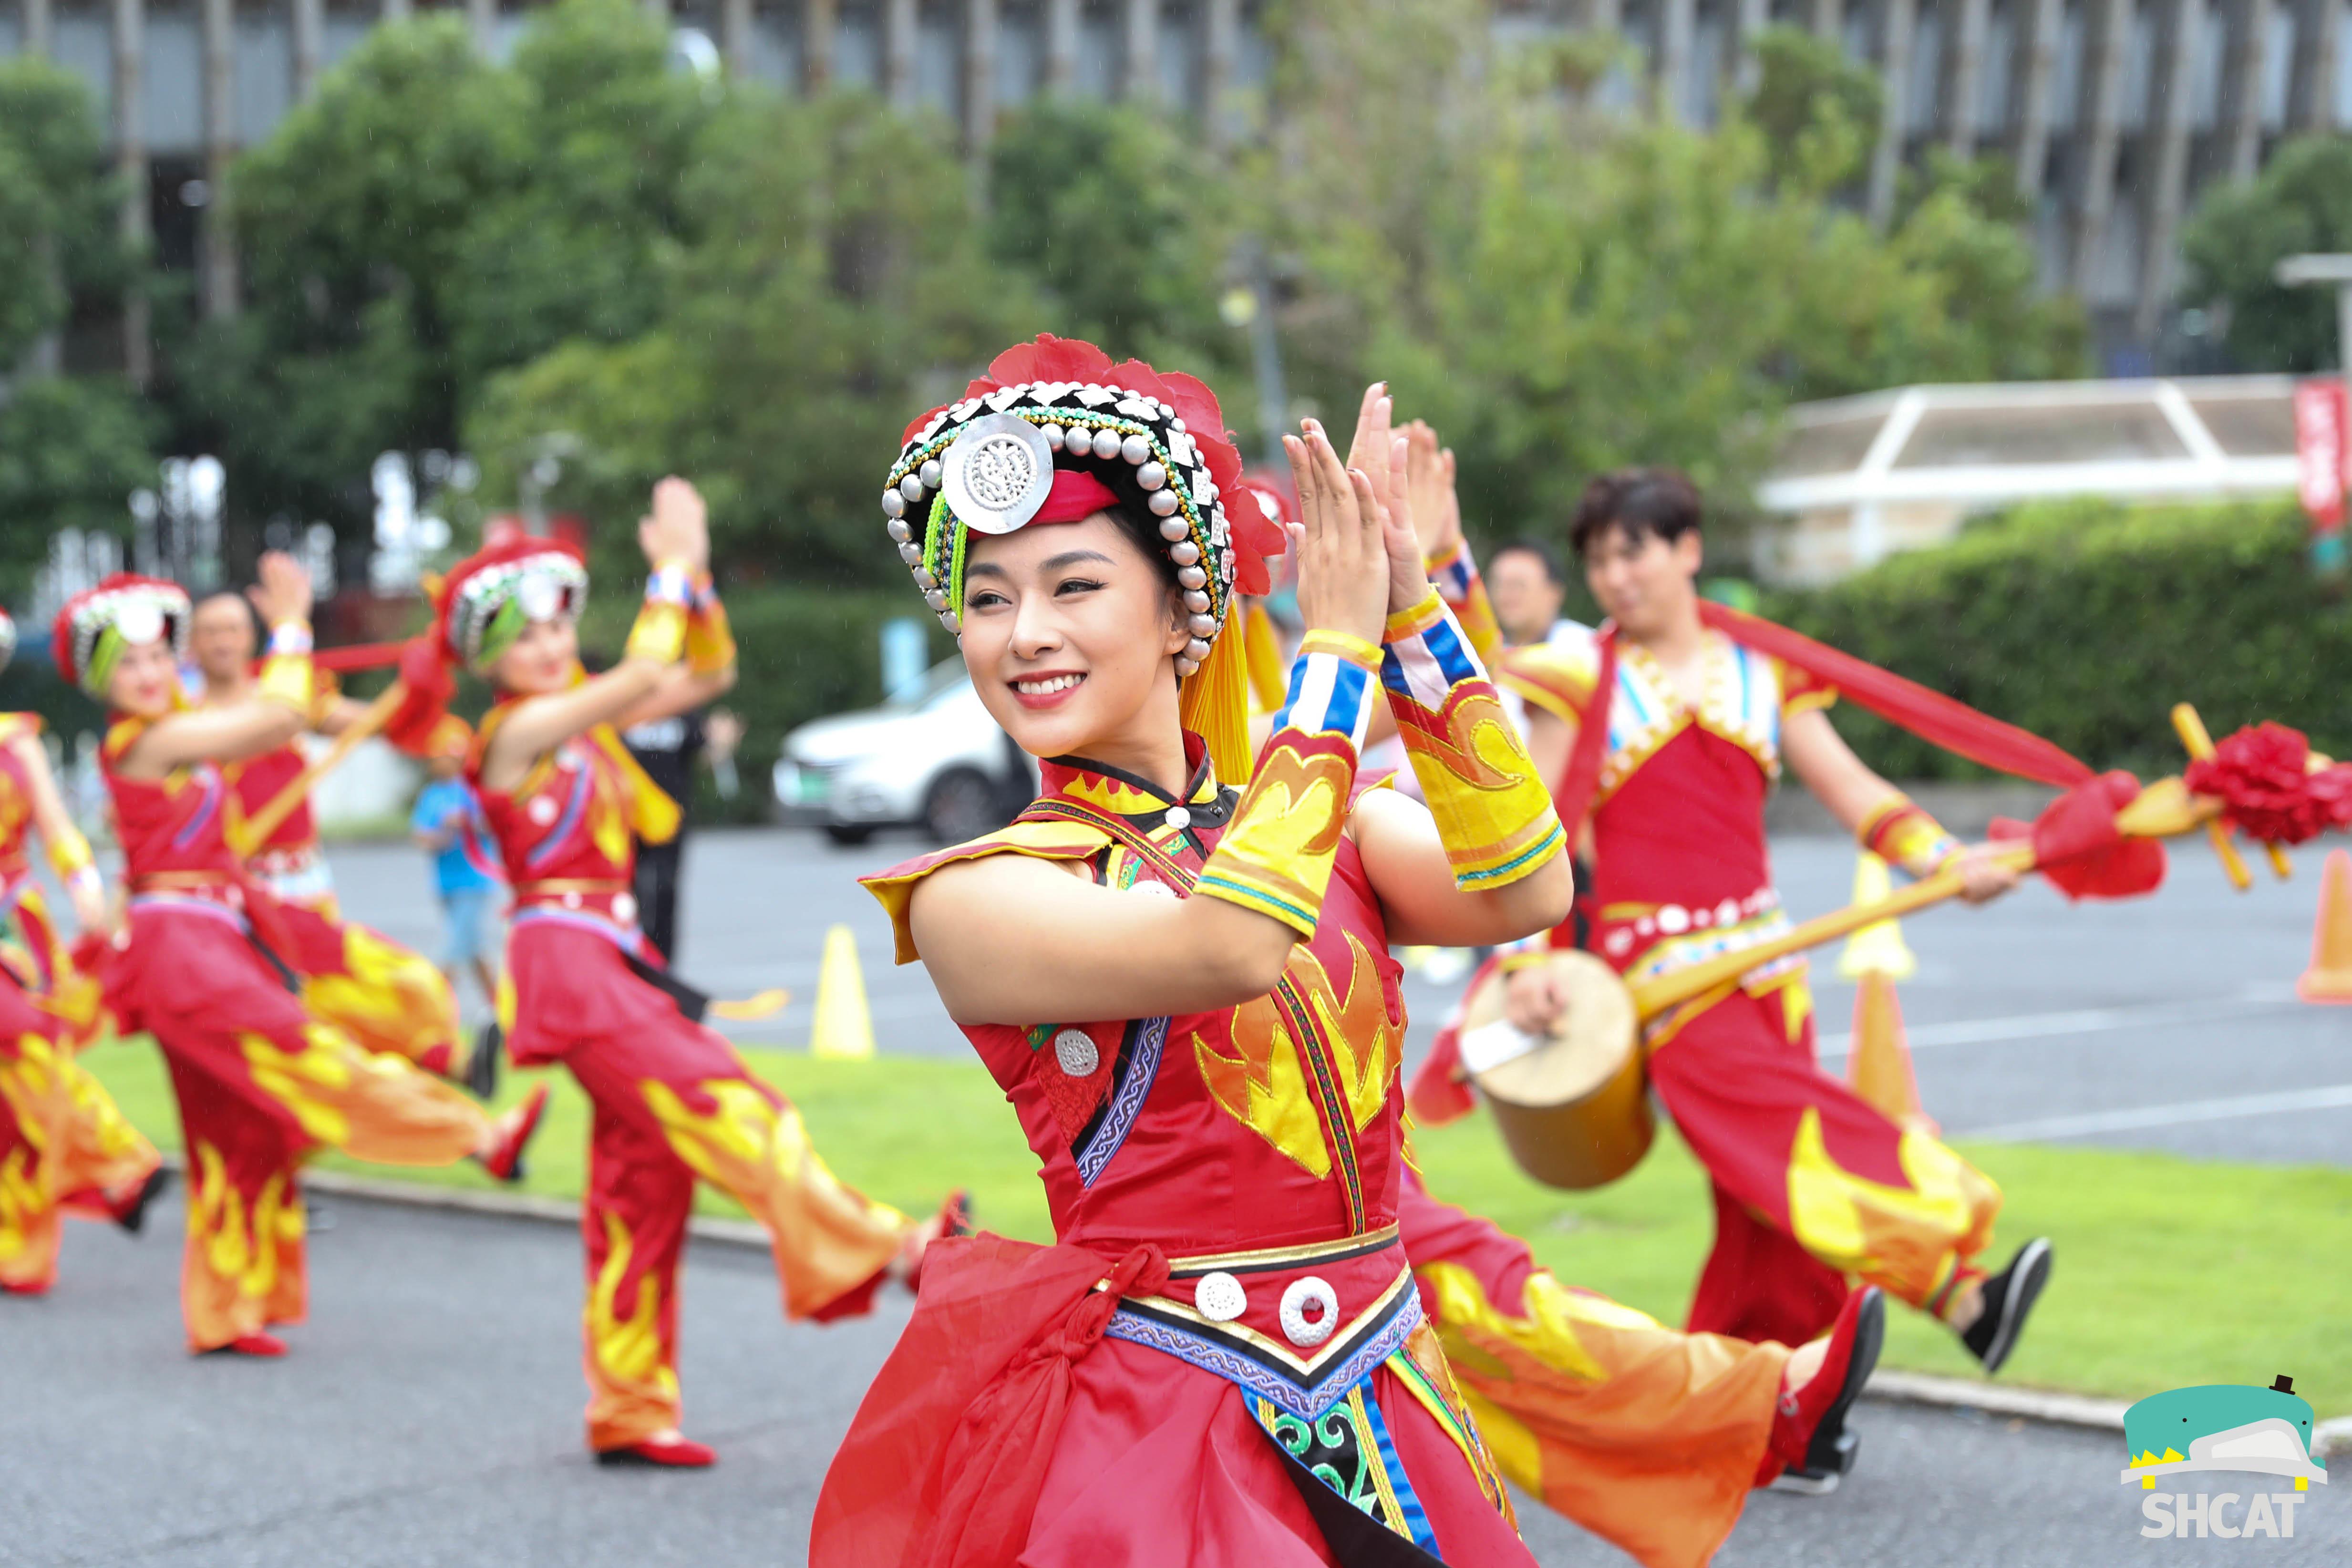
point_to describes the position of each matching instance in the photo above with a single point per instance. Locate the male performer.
(393, 1001)
(1524, 580)
(1812, 1185)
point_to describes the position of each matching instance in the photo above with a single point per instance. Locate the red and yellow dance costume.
(261, 1082)
(64, 1146)
(1813, 1187)
(673, 1102)
(1256, 1381)
(390, 999)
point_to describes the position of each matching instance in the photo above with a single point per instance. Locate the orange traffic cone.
(2329, 978)
(1879, 1064)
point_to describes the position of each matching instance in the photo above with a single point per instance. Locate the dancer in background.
(1813, 1187)
(390, 999)
(261, 1082)
(673, 1102)
(65, 1149)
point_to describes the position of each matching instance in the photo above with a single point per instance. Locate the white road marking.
(2081, 1021)
(2328, 1098)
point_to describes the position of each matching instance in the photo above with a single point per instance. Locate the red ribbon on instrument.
(2269, 788)
(2078, 846)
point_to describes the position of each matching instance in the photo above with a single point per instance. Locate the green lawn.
(2169, 1271)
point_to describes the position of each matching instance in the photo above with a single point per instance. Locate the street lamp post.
(2306, 271)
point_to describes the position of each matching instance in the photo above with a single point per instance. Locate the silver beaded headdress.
(986, 464)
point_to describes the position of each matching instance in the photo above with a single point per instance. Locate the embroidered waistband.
(190, 904)
(1337, 1251)
(628, 937)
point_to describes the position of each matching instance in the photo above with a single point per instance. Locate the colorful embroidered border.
(1199, 1346)
(1330, 1101)
(1353, 1436)
(1140, 1070)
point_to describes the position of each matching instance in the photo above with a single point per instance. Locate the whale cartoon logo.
(2222, 1427)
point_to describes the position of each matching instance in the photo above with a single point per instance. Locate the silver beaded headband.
(141, 611)
(987, 464)
(545, 586)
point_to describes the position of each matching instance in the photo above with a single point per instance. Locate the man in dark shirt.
(667, 749)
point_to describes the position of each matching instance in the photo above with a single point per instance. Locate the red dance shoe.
(267, 1346)
(1809, 1436)
(504, 1160)
(676, 1454)
(28, 1288)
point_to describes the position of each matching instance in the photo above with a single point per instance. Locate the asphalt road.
(2163, 1023)
(429, 1418)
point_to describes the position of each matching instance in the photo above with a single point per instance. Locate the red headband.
(1076, 495)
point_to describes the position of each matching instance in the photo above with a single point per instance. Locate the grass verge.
(2169, 1271)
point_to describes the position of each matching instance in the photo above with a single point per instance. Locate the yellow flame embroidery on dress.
(391, 999)
(746, 1139)
(627, 1350)
(1908, 1240)
(1263, 1083)
(293, 1077)
(240, 1249)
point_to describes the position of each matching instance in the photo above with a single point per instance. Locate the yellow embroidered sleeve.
(1492, 813)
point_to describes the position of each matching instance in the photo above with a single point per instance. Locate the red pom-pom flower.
(2270, 789)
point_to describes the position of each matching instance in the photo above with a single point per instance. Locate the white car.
(932, 758)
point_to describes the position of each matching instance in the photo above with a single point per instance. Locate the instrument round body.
(1575, 1110)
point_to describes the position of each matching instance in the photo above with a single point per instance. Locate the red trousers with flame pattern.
(1646, 1436)
(64, 1147)
(390, 999)
(261, 1083)
(673, 1102)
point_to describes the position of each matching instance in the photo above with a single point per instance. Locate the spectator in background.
(1524, 583)
(448, 824)
(667, 749)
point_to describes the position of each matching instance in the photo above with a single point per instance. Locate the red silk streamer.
(1933, 717)
(358, 656)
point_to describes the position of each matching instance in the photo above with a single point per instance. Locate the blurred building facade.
(2115, 114)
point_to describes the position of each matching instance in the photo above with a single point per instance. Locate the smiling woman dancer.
(1186, 993)
(673, 1101)
(261, 1083)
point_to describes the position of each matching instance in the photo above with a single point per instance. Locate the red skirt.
(1006, 1431)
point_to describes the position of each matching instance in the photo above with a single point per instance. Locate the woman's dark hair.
(1660, 503)
(252, 613)
(1545, 556)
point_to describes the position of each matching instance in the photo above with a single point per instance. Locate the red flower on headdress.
(1255, 539)
(2268, 787)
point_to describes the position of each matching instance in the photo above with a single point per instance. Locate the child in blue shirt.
(447, 823)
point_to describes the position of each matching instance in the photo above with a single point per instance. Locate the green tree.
(814, 311)
(427, 220)
(1562, 291)
(71, 449)
(2232, 244)
(58, 239)
(1124, 226)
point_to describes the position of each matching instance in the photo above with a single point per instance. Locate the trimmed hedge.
(2086, 621)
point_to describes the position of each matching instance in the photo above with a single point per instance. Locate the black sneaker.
(482, 1064)
(1820, 1482)
(2009, 1296)
(132, 1216)
(1833, 1448)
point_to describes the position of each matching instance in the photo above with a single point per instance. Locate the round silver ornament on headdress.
(997, 473)
(540, 595)
(139, 622)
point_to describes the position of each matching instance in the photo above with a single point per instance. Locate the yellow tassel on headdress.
(1269, 682)
(1216, 703)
